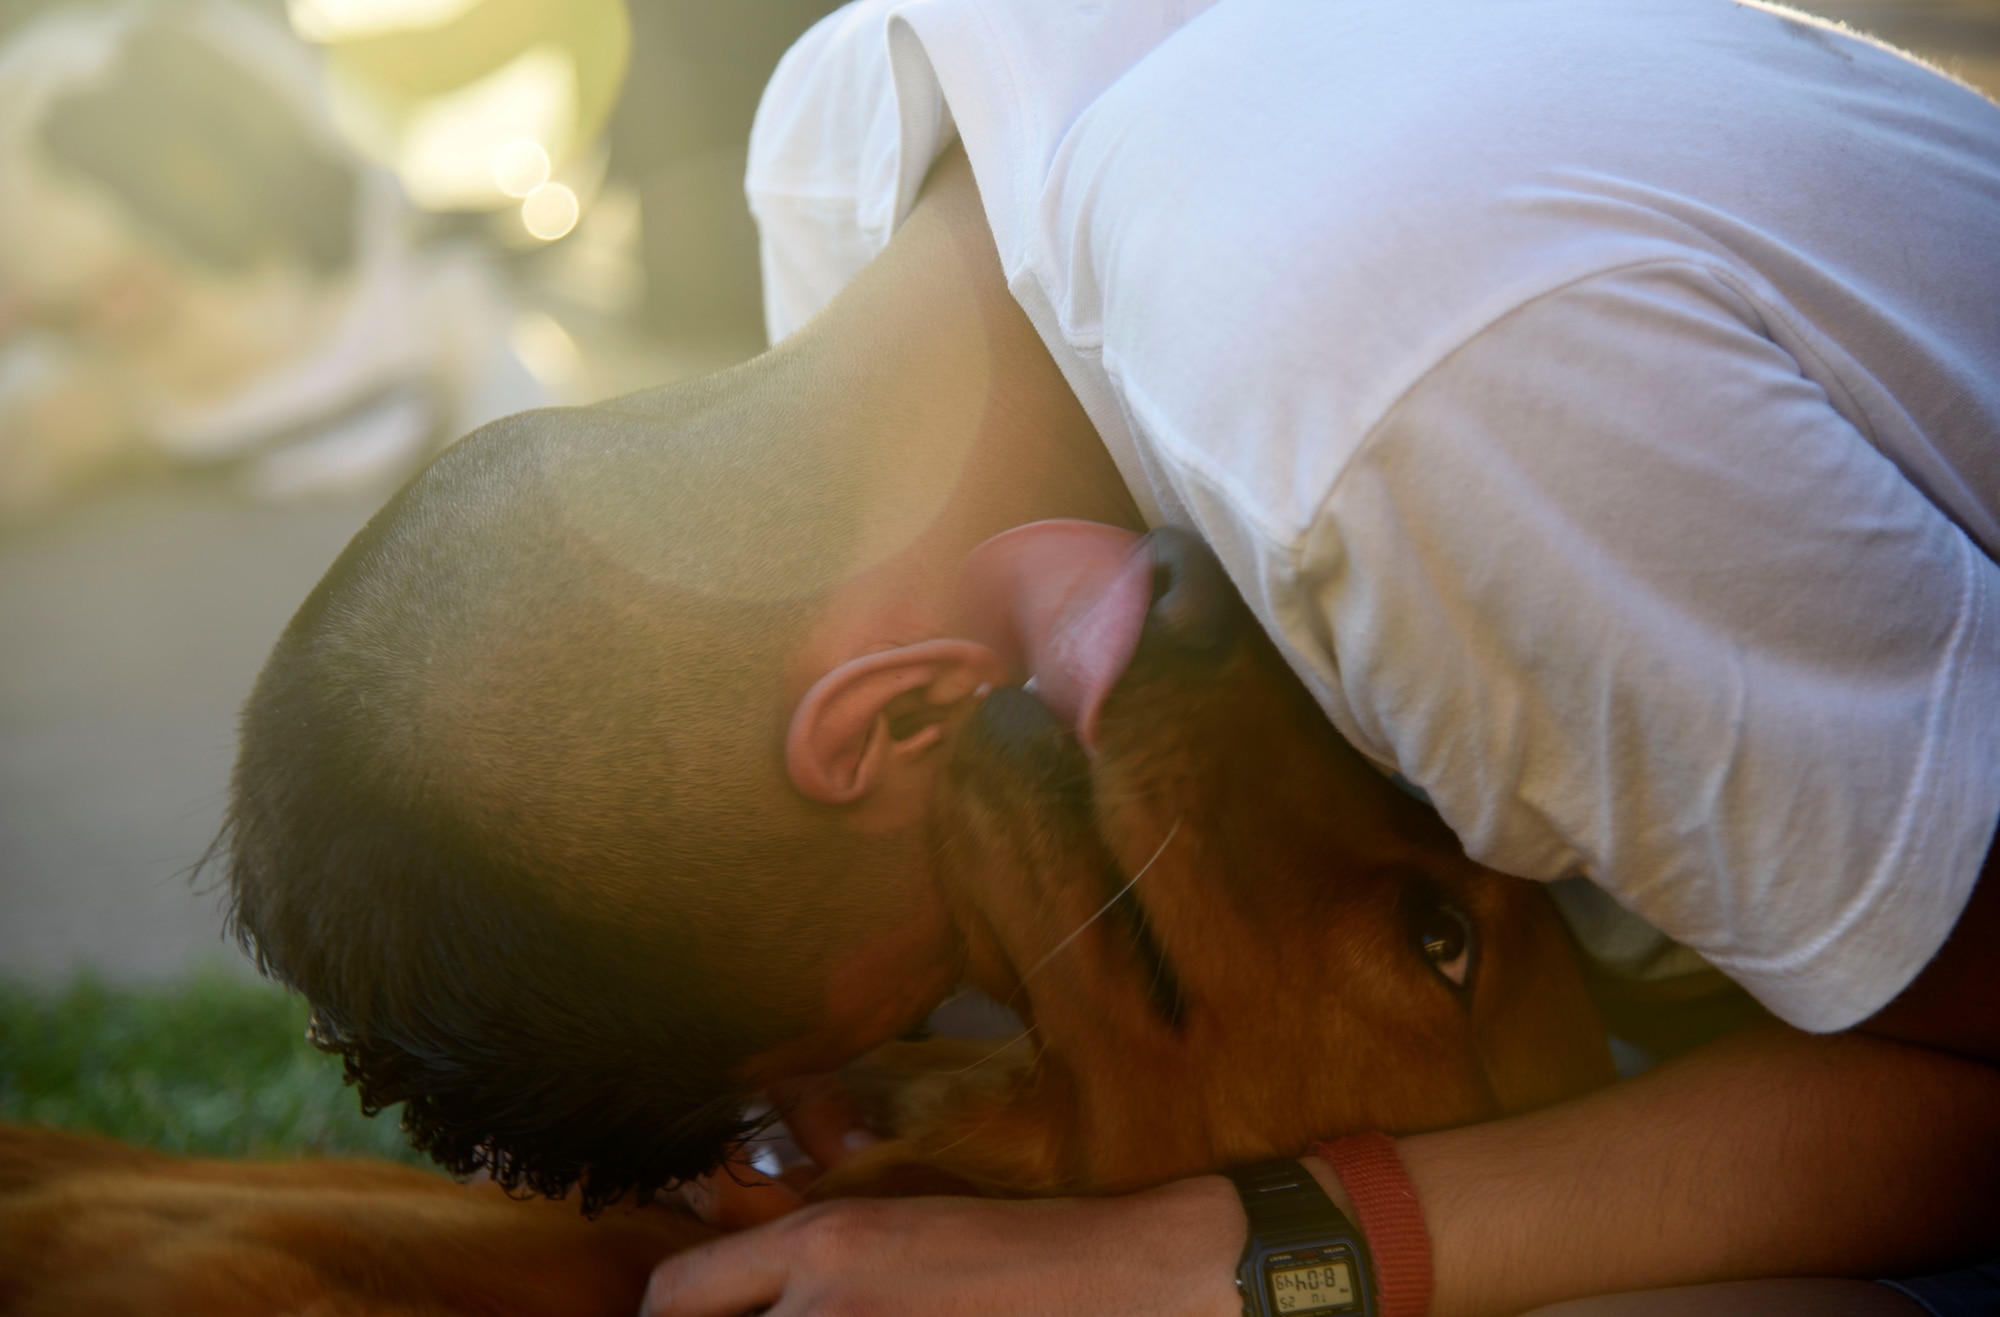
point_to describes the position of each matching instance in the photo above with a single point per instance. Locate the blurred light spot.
(547, 350)
(520, 167)
(451, 144)
(550, 211)
(328, 21)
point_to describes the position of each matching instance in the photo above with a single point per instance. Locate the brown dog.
(92, 1226)
(1228, 935)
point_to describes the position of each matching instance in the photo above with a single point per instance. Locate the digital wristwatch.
(1304, 1258)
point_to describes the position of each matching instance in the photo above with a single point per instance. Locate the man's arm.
(1772, 1153)
(1954, 1005)
(1769, 1153)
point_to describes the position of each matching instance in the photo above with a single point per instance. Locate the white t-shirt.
(1598, 400)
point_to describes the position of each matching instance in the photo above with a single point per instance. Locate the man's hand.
(1166, 1253)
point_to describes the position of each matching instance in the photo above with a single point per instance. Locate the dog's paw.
(888, 1170)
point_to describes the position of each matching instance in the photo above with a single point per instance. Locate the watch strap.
(1391, 1217)
(1284, 1202)
(1287, 1208)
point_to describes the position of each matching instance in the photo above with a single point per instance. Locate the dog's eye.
(1444, 936)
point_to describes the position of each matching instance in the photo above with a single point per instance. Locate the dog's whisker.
(1102, 910)
(1027, 1032)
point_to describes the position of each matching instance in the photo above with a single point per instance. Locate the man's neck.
(960, 408)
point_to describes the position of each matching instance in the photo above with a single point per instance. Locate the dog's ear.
(874, 714)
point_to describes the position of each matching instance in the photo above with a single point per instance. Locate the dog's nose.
(1195, 611)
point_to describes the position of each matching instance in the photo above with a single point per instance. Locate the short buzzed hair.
(508, 805)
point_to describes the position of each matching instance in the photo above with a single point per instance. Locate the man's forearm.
(1768, 1154)
(1771, 1153)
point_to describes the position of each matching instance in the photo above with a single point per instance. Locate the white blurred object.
(305, 379)
(354, 410)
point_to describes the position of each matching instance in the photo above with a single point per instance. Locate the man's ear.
(873, 713)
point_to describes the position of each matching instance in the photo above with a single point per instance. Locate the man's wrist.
(1331, 1183)
(1201, 1220)
(1370, 1169)
(1208, 1207)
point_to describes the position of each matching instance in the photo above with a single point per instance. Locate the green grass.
(213, 1064)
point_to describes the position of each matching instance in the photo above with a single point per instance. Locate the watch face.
(1307, 1281)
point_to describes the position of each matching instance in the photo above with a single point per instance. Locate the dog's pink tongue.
(1064, 602)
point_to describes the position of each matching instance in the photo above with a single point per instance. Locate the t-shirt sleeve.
(1623, 589)
(825, 137)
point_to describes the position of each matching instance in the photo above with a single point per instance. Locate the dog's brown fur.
(1278, 871)
(1259, 986)
(92, 1226)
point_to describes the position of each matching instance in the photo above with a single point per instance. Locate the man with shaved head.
(1546, 382)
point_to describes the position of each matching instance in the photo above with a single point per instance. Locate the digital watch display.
(1304, 1257)
(1311, 1280)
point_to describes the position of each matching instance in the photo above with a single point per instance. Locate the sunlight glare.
(452, 147)
(328, 21)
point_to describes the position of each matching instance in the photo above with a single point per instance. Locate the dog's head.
(1229, 934)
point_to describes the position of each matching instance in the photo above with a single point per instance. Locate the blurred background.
(259, 259)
